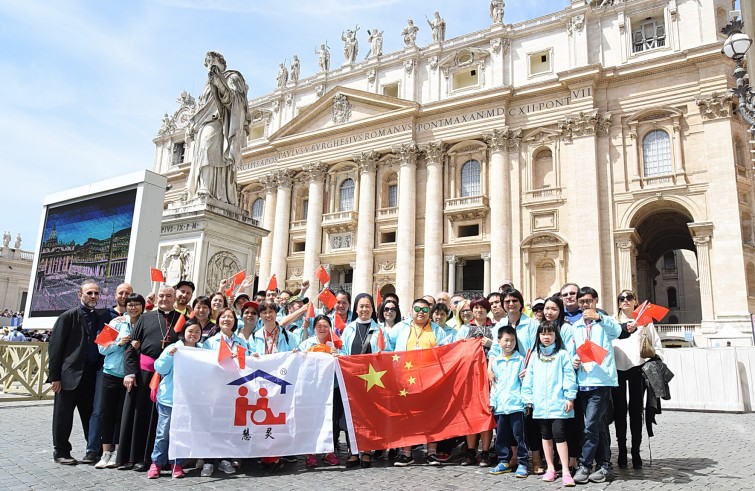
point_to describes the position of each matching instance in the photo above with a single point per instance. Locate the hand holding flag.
(106, 337)
(157, 275)
(322, 275)
(645, 313)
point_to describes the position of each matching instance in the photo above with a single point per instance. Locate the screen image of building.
(594, 145)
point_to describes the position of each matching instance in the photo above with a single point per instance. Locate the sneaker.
(568, 481)
(311, 461)
(226, 466)
(404, 460)
(582, 476)
(104, 460)
(443, 456)
(178, 471)
(601, 474)
(153, 472)
(331, 459)
(207, 470)
(90, 458)
(501, 468)
(470, 458)
(392, 453)
(521, 471)
(433, 459)
(550, 475)
(484, 459)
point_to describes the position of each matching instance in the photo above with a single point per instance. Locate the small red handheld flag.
(310, 310)
(180, 323)
(327, 299)
(239, 277)
(337, 342)
(224, 352)
(157, 275)
(645, 313)
(381, 340)
(339, 323)
(229, 292)
(154, 384)
(106, 337)
(378, 299)
(273, 285)
(241, 356)
(590, 351)
(322, 275)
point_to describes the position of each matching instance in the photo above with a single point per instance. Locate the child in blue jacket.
(549, 390)
(506, 401)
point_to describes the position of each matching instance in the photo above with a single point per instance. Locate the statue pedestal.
(205, 240)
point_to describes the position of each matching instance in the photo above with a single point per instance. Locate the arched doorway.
(666, 262)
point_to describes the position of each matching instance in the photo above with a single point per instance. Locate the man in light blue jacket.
(595, 381)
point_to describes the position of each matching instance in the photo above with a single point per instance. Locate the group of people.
(552, 402)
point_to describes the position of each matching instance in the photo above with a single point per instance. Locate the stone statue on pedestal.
(324, 57)
(496, 11)
(438, 26)
(350, 45)
(375, 39)
(282, 77)
(220, 127)
(176, 264)
(410, 34)
(6, 239)
(17, 245)
(295, 70)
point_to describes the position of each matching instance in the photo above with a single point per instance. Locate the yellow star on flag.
(395, 357)
(403, 393)
(412, 380)
(373, 378)
(408, 365)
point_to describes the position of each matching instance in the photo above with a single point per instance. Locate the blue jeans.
(160, 452)
(597, 441)
(94, 441)
(511, 431)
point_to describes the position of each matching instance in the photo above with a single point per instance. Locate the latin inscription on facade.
(179, 227)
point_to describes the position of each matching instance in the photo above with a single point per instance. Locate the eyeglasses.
(513, 300)
(625, 298)
(419, 309)
(569, 294)
(389, 309)
(133, 305)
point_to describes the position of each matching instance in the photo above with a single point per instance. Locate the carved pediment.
(344, 107)
(464, 57)
(540, 135)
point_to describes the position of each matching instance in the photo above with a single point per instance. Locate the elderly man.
(153, 332)
(73, 365)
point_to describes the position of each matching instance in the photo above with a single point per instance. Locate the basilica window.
(656, 153)
(540, 62)
(391, 90)
(470, 179)
(346, 196)
(392, 195)
(649, 34)
(257, 208)
(543, 174)
(671, 300)
(304, 209)
(179, 153)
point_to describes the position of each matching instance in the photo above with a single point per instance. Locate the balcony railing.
(676, 330)
(387, 213)
(298, 225)
(340, 221)
(467, 207)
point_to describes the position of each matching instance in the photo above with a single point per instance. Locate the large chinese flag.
(398, 399)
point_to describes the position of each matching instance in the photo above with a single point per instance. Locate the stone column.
(460, 263)
(315, 172)
(702, 234)
(451, 260)
(500, 205)
(433, 263)
(407, 213)
(626, 247)
(282, 223)
(486, 272)
(365, 243)
(268, 216)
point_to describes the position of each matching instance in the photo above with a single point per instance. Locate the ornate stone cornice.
(575, 24)
(406, 153)
(434, 151)
(715, 106)
(366, 161)
(315, 171)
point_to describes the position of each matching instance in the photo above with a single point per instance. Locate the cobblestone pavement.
(690, 451)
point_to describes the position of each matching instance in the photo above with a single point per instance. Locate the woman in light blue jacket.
(272, 338)
(549, 389)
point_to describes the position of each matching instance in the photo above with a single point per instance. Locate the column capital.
(315, 171)
(406, 153)
(502, 139)
(434, 151)
(450, 259)
(366, 161)
(269, 183)
(485, 256)
(702, 232)
(284, 179)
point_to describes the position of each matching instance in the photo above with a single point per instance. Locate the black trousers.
(629, 379)
(138, 423)
(112, 395)
(82, 399)
(575, 430)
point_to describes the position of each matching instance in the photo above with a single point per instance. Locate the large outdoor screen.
(88, 239)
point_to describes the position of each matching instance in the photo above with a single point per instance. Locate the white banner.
(279, 404)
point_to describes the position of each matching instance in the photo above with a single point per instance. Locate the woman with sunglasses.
(629, 366)
(250, 316)
(389, 314)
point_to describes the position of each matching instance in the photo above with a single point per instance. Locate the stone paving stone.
(705, 451)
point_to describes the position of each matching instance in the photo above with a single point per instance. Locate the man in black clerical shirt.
(73, 364)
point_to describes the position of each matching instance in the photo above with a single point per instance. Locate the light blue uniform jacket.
(114, 354)
(350, 331)
(525, 332)
(506, 394)
(601, 333)
(214, 342)
(287, 341)
(399, 335)
(164, 366)
(548, 385)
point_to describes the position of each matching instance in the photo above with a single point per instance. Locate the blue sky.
(85, 82)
